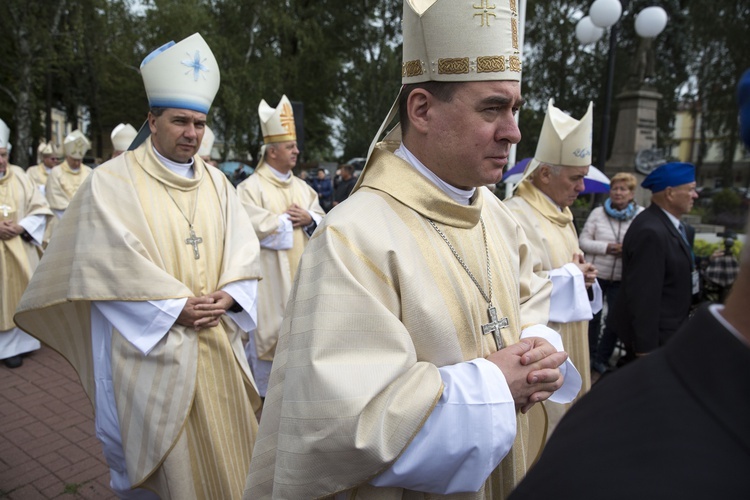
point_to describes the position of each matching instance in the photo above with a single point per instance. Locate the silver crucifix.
(494, 326)
(194, 240)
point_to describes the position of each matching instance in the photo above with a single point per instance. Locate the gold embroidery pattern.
(412, 68)
(453, 66)
(513, 7)
(490, 64)
(485, 7)
(514, 31)
(287, 118)
(515, 63)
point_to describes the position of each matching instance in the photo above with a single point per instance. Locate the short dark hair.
(443, 91)
(157, 111)
(347, 167)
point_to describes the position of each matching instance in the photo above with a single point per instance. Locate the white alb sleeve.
(245, 293)
(35, 226)
(465, 437)
(283, 238)
(142, 323)
(570, 300)
(573, 382)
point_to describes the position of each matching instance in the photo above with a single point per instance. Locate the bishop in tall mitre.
(63, 182)
(285, 211)
(23, 217)
(413, 348)
(150, 299)
(47, 156)
(552, 181)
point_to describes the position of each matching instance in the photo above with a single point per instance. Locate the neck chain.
(193, 239)
(495, 324)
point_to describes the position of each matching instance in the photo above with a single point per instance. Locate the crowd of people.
(423, 339)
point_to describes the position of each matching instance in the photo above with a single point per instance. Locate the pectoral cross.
(194, 240)
(6, 210)
(494, 326)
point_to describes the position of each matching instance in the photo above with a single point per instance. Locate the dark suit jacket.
(674, 424)
(656, 289)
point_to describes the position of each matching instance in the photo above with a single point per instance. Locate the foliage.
(341, 60)
(704, 249)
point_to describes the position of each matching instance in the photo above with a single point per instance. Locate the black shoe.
(13, 361)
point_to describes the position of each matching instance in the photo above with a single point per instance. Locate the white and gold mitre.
(460, 41)
(564, 140)
(46, 149)
(277, 124)
(4, 135)
(76, 145)
(207, 143)
(122, 136)
(181, 75)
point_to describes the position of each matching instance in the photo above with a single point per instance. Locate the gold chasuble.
(265, 197)
(62, 184)
(187, 408)
(19, 198)
(554, 238)
(379, 304)
(38, 174)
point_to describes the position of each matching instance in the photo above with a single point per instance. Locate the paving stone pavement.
(48, 447)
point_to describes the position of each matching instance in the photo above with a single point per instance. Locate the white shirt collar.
(183, 169)
(278, 174)
(673, 219)
(461, 196)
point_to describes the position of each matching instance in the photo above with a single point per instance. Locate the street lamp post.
(604, 14)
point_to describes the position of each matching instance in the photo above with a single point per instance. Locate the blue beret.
(743, 99)
(669, 175)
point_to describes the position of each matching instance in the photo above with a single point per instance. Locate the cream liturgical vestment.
(265, 197)
(62, 184)
(38, 174)
(19, 200)
(379, 304)
(185, 409)
(553, 237)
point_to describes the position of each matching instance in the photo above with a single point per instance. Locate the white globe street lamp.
(588, 33)
(605, 13)
(650, 22)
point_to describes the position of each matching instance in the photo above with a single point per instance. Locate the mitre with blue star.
(182, 75)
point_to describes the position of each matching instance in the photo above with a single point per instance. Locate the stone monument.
(634, 147)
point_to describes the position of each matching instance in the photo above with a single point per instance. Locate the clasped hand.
(9, 230)
(205, 311)
(589, 270)
(532, 369)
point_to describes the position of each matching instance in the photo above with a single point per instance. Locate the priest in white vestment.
(285, 211)
(413, 350)
(122, 137)
(150, 299)
(552, 182)
(23, 216)
(63, 182)
(49, 159)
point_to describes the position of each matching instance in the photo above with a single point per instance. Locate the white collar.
(183, 169)
(461, 196)
(279, 175)
(675, 221)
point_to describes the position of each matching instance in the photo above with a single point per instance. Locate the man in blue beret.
(743, 99)
(670, 425)
(659, 276)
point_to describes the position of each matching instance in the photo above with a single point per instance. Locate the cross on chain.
(194, 240)
(6, 210)
(494, 326)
